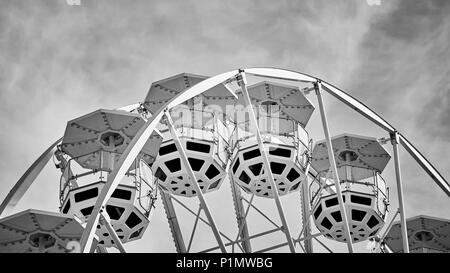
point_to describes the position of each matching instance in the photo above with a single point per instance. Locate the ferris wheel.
(239, 160)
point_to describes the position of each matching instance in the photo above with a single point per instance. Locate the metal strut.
(254, 122)
(318, 87)
(135, 146)
(240, 216)
(306, 208)
(194, 181)
(106, 221)
(401, 206)
(173, 222)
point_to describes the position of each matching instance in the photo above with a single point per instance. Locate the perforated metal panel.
(204, 159)
(127, 218)
(287, 167)
(365, 219)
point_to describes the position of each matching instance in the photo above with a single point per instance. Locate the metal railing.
(202, 124)
(297, 138)
(323, 186)
(140, 173)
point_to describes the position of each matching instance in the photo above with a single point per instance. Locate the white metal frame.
(144, 133)
(201, 198)
(242, 81)
(398, 178)
(333, 167)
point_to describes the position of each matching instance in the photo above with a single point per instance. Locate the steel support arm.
(106, 221)
(333, 167)
(114, 178)
(173, 222)
(254, 122)
(194, 181)
(240, 215)
(306, 208)
(401, 206)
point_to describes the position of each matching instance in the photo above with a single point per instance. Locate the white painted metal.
(375, 118)
(135, 147)
(173, 222)
(306, 213)
(121, 210)
(382, 236)
(280, 74)
(398, 178)
(240, 215)
(254, 123)
(357, 105)
(331, 157)
(194, 182)
(106, 221)
(114, 178)
(201, 87)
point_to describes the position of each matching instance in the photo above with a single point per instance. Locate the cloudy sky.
(58, 62)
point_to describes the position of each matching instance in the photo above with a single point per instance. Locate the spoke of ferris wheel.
(254, 122)
(398, 179)
(333, 167)
(194, 181)
(106, 221)
(306, 212)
